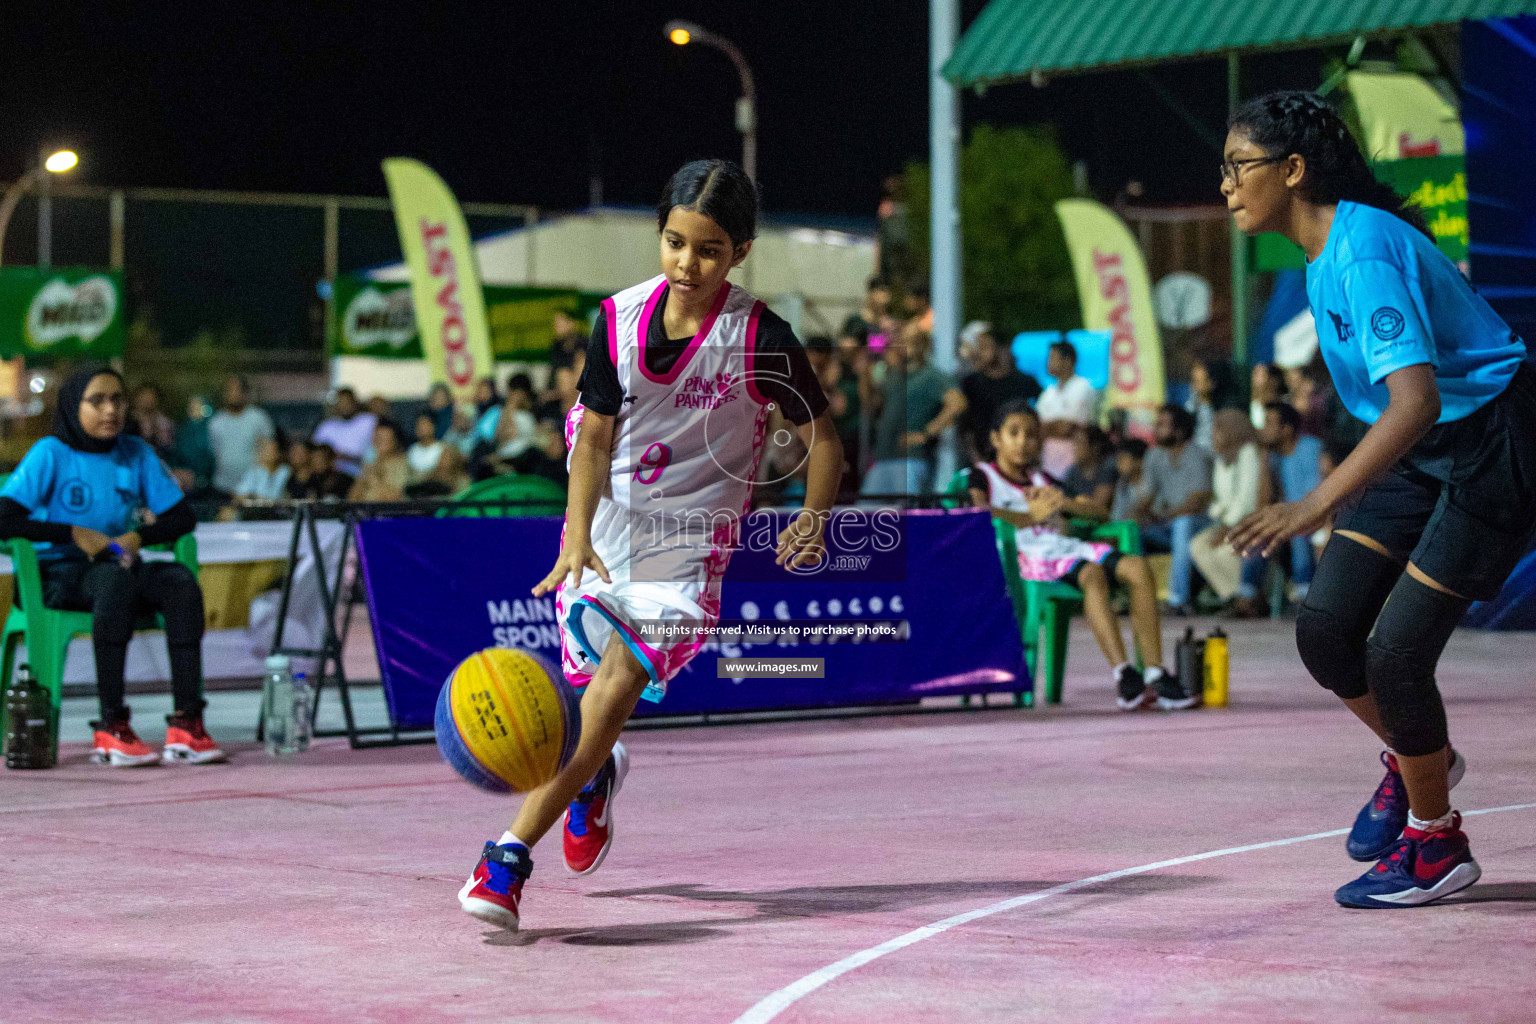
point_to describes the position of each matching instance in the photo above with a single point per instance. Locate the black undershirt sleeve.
(599, 383)
(14, 523)
(784, 373)
(172, 524)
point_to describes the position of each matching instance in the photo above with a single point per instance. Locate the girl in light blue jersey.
(1436, 504)
(90, 496)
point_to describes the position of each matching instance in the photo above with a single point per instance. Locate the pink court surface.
(1070, 864)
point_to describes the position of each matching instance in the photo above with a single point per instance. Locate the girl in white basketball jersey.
(681, 376)
(1020, 493)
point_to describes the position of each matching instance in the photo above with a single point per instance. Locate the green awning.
(1012, 39)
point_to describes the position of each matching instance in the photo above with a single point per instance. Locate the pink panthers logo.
(701, 392)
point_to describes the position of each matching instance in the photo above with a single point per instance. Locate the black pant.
(115, 597)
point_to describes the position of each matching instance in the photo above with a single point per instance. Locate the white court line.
(771, 1006)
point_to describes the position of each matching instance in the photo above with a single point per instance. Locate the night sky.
(510, 102)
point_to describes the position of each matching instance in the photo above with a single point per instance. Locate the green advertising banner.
(1438, 186)
(1435, 184)
(64, 313)
(377, 319)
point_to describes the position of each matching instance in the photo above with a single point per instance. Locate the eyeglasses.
(1232, 170)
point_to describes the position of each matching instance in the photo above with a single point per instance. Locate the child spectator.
(1268, 385)
(300, 468)
(461, 433)
(1130, 454)
(384, 478)
(1090, 484)
(440, 408)
(1019, 493)
(423, 456)
(325, 480)
(268, 479)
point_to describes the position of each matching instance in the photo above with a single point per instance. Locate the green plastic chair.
(532, 495)
(48, 631)
(1044, 610)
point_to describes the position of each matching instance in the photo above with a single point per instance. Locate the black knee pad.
(1334, 656)
(1400, 662)
(1351, 585)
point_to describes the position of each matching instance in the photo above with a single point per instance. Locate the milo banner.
(445, 282)
(64, 313)
(378, 319)
(1116, 296)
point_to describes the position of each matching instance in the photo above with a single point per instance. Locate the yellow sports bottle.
(1217, 669)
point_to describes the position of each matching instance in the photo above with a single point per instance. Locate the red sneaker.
(187, 742)
(115, 743)
(589, 818)
(494, 891)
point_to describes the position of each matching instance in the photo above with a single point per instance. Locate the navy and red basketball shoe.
(494, 891)
(1385, 814)
(589, 818)
(1420, 868)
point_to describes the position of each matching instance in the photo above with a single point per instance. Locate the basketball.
(507, 721)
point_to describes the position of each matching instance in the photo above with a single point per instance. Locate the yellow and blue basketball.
(507, 720)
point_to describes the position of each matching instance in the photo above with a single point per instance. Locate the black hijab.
(66, 418)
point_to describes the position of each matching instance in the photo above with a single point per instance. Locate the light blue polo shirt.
(1385, 298)
(101, 492)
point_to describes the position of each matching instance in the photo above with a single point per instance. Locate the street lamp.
(684, 32)
(49, 163)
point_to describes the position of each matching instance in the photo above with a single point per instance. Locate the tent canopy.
(1014, 39)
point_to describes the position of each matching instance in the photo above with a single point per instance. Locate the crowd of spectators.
(1215, 458)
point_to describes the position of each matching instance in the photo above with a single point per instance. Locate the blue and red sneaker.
(589, 818)
(1420, 868)
(495, 889)
(1385, 814)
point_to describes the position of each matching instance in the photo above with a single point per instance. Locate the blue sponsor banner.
(441, 589)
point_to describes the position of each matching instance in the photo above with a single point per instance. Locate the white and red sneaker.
(115, 743)
(494, 891)
(588, 828)
(187, 742)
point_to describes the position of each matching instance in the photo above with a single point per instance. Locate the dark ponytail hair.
(718, 189)
(1282, 123)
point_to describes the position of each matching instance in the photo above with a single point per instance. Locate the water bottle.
(28, 723)
(277, 707)
(1218, 665)
(1189, 663)
(303, 712)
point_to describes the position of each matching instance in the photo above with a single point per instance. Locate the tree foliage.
(1014, 256)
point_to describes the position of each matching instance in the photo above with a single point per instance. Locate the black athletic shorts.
(1110, 561)
(1461, 505)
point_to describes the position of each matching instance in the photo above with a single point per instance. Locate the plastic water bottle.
(28, 722)
(277, 701)
(303, 712)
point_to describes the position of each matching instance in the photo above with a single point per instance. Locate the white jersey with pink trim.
(685, 451)
(1046, 554)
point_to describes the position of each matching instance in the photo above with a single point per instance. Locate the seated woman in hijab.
(90, 497)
